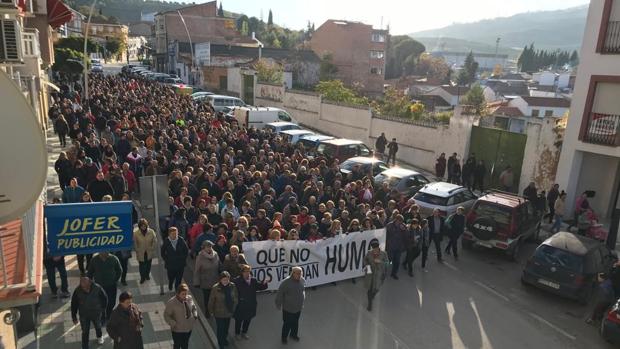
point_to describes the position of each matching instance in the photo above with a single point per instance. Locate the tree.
(268, 72)
(77, 44)
(114, 46)
(434, 68)
(328, 69)
(401, 56)
(394, 103)
(66, 60)
(574, 59)
(244, 28)
(334, 90)
(270, 19)
(220, 10)
(467, 75)
(416, 110)
(475, 98)
(240, 20)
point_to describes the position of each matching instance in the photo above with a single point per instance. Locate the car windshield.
(555, 256)
(500, 214)
(326, 149)
(431, 199)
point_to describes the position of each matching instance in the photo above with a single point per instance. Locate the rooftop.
(551, 102)
(579, 245)
(507, 111)
(455, 90)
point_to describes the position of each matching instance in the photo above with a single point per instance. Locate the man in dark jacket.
(174, 252)
(440, 166)
(106, 270)
(456, 228)
(89, 302)
(381, 143)
(437, 229)
(479, 172)
(395, 239)
(392, 150)
(451, 161)
(100, 188)
(247, 286)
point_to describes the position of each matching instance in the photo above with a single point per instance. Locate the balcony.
(603, 129)
(612, 38)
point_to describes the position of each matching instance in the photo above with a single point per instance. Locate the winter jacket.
(291, 295)
(144, 243)
(98, 189)
(72, 195)
(174, 258)
(206, 270)
(395, 236)
(217, 301)
(125, 328)
(106, 272)
(431, 227)
(88, 304)
(179, 316)
(246, 309)
(378, 268)
(233, 265)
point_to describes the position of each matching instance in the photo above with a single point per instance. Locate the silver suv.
(444, 196)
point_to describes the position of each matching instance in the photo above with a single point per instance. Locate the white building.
(590, 158)
(541, 106)
(486, 61)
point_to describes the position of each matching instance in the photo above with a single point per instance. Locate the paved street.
(477, 302)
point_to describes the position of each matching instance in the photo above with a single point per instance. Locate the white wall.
(234, 80)
(563, 80)
(597, 173)
(541, 156)
(547, 79)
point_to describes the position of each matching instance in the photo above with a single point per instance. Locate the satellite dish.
(23, 152)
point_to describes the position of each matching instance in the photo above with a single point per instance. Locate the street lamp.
(85, 64)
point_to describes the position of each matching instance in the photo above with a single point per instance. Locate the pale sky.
(403, 16)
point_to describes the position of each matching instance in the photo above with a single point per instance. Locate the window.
(377, 54)
(430, 199)
(363, 150)
(563, 259)
(535, 112)
(548, 112)
(376, 37)
(29, 45)
(283, 116)
(376, 71)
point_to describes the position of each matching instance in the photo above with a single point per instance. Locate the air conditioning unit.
(8, 3)
(10, 41)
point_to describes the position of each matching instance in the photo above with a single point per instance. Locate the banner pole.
(159, 234)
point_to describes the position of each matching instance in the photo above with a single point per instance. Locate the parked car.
(219, 102)
(407, 182)
(446, 197)
(258, 117)
(280, 126)
(95, 61)
(501, 220)
(162, 77)
(201, 95)
(96, 68)
(342, 149)
(364, 164)
(173, 81)
(293, 136)
(610, 326)
(311, 142)
(567, 264)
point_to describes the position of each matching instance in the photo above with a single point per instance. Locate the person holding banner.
(375, 270)
(290, 298)
(233, 261)
(247, 286)
(174, 252)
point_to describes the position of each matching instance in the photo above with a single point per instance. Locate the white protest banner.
(322, 261)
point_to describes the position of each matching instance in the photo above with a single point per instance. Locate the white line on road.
(561, 331)
(451, 266)
(490, 289)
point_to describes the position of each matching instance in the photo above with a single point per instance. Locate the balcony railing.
(612, 38)
(603, 129)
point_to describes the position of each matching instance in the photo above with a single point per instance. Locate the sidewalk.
(55, 327)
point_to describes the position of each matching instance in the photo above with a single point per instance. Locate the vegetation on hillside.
(402, 56)
(532, 60)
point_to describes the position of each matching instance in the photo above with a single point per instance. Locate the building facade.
(590, 159)
(358, 50)
(101, 32)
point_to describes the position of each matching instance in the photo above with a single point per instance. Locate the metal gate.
(498, 149)
(248, 89)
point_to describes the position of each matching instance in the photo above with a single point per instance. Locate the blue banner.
(89, 227)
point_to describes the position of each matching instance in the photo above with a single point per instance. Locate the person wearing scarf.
(181, 314)
(125, 325)
(222, 303)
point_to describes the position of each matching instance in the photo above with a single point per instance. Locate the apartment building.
(590, 158)
(358, 50)
(101, 32)
(26, 51)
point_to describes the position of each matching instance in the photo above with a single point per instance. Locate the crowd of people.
(227, 185)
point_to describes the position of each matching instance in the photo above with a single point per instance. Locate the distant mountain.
(559, 29)
(460, 45)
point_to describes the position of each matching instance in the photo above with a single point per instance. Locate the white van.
(293, 136)
(219, 102)
(258, 117)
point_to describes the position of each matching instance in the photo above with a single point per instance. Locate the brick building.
(357, 49)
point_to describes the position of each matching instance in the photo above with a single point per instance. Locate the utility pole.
(85, 63)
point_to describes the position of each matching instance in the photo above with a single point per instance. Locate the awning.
(52, 86)
(58, 13)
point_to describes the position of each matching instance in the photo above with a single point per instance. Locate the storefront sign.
(322, 261)
(89, 227)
